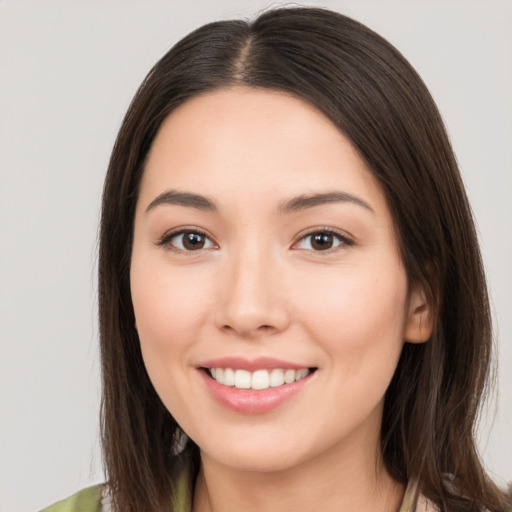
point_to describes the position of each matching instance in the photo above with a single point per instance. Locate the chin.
(256, 463)
(254, 456)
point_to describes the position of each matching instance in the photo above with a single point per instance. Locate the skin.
(258, 288)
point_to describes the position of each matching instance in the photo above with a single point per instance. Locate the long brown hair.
(367, 88)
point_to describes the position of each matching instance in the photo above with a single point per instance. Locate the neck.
(333, 481)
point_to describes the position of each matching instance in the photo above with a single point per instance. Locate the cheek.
(357, 314)
(169, 311)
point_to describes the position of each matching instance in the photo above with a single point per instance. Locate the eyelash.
(167, 238)
(344, 240)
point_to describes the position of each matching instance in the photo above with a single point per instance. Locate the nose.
(252, 295)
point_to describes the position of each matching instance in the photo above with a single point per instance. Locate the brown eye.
(193, 241)
(188, 240)
(322, 241)
(319, 241)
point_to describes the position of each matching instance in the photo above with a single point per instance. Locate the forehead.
(254, 144)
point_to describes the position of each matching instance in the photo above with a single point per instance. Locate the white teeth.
(242, 379)
(229, 377)
(289, 376)
(259, 379)
(276, 377)
(301, 373)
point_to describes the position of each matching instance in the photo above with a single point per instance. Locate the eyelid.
(164, 241)
(346, 240)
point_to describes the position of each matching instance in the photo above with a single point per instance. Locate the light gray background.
(68, 70)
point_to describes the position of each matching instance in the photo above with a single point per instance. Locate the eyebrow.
(305, 201)
(293, 205)
(175, 197)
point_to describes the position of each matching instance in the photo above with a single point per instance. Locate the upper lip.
(260, 363)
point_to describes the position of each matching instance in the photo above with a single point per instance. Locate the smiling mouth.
(259, 379)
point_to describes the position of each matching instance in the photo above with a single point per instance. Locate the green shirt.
(91, 500)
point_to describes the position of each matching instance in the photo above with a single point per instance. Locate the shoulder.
(98, 499)
(86, 500)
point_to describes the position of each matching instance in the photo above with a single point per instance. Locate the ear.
(420, 320)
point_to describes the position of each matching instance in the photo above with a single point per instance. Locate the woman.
(293, 310)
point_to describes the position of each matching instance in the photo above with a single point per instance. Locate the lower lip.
(248, 401)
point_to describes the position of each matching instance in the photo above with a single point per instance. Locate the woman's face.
(264, 257)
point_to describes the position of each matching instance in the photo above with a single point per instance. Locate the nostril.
(264, 328)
